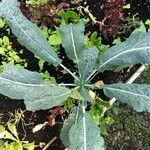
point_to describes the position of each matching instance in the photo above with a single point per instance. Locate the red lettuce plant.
(111, 25)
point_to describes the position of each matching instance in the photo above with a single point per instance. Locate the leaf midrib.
(84, 121)
(73, 45)
(34, 40)
(124, 91)
(134, 49)
(58, 96)
(24, 84)
(51, 97)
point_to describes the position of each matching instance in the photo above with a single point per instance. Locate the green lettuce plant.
(11, 134)
(36, 2)
(2, 23)
(9, 55)
(79, 131)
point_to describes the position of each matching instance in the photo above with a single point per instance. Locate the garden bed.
(127, 131)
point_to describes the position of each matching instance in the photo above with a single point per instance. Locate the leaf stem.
(91, 76)
(84, 126)
(63, 84)
(65, 68)
(77, 115)
(74, 48)
(84, 122)
(93, 86)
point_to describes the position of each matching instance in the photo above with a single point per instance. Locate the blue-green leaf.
(135, 95)
(28, 34)
(73, 40)
(14, 82)
(136, 49)
(88, 62)
(69, 122)
(45, 98)
(19, 83)
(92, 141)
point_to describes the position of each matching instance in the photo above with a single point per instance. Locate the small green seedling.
(36, 2)
(11, 134)
(8, 54)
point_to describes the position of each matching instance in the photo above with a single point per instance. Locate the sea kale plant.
(79, 131)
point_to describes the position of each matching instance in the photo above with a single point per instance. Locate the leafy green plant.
(70, 16)
(36, 2)
(53, 37)
(147, 22)
(94, 40)
(131, 22)
(98, 116)
(116, 41)
(8, 54)
(11, 134)
(79, 131)
(2, 23)
(127, 6)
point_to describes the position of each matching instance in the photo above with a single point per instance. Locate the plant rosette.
(79, 130)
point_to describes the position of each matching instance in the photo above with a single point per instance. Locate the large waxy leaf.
(19, 83)
(28, 34)
(45, 98)
(87, 64)
(136, 49)
(73, 40)
(135, 95)
(69, 122)
(92, 141)
(15, 82)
